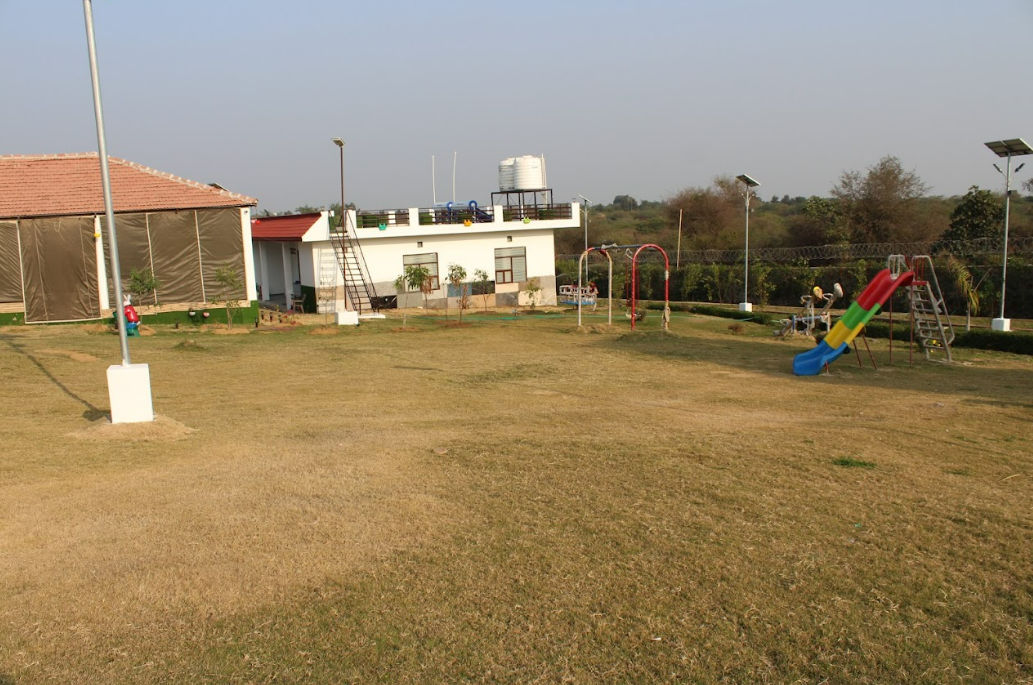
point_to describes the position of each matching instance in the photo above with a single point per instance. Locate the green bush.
(983, 339)
(717, 310)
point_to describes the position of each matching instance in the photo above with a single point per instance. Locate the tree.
(142, 284)
(456, 276)
(968, 288)
(711, 217)
(533, 291)
(817, 223)
(881, 204)
(229, 278)
(414, 277)
(980, 214)
(625, 202)
(481, 284)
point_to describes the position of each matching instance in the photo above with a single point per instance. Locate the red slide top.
(881, 287)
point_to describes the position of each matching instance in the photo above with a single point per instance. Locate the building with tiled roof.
(62, 185)
(53, 238)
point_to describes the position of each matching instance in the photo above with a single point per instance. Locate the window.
(429, 261)
(510, 264)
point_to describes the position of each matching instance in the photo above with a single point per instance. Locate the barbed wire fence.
(1017, 246)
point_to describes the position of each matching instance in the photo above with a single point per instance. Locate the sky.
(643, 98)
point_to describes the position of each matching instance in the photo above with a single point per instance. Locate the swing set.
(632, 312)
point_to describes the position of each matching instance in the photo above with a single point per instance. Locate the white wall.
(471, 251)
(472, 247)
(250, 279)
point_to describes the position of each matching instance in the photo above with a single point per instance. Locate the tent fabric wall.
(10, 263)
(57, 259)
(183, 249)
(59, 268)
(175, 255)
(134, 250)
(222, 246)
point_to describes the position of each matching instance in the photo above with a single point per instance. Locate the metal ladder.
(358, 286)
(931, 322)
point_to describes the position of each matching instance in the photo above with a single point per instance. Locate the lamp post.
(344, 210)
(585, 209)
(1014, 147)
(749, 184)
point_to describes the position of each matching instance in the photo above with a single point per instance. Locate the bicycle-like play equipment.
(810, 321)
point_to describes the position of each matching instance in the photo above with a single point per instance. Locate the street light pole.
(1006, 148)
(585, 209)
(749, 184)
(339, 142)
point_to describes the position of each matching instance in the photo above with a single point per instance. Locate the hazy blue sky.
(644, 97)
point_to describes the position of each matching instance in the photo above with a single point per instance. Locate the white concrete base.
(745, 307)
(1003, 325)
(129, 390)
(375, 315)
(347, 318)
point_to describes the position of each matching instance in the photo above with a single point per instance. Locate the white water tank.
(522, 173)
(506, 174)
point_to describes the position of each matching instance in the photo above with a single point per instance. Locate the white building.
(295, 260)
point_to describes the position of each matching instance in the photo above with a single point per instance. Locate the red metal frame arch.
(634, 284)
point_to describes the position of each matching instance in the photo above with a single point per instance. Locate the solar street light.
(1013, 147)
(749, 184)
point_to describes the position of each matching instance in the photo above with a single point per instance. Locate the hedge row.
(979, 338)
(783, 284)
(243, 315)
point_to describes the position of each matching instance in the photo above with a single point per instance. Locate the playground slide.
(850, 324)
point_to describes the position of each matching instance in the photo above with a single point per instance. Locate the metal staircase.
(931, 323)
(358, 287)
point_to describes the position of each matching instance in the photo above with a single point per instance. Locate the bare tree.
(882, 204)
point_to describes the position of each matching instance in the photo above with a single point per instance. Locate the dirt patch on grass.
(325, 330)
(71, 354)
(236, 330)
(161, 429)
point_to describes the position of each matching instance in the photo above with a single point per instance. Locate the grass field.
(512, 501)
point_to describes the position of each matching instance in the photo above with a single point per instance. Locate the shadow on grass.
(91, 413)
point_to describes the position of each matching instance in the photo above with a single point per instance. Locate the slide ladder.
(932, 325)
(357, 284)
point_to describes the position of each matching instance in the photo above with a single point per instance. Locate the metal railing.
(539, 212)
(382, 217)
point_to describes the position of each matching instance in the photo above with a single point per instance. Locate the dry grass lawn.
(512, 501)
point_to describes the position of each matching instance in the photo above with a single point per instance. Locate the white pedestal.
(347, 318)
(745, 307)
(129, 389)
(1003, 325)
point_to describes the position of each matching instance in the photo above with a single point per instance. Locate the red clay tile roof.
(69, 184)
(291, 227)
